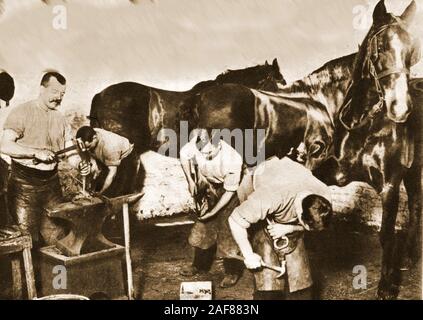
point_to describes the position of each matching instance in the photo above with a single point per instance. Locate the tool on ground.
(280, 269)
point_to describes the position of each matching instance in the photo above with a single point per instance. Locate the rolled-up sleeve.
(232, 180)
(232, 166)
(258, 205)
(16, 121)
(187, 151)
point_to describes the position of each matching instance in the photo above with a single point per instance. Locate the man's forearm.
(223, 201)
(240, 235)
(109, 179)
(186, 168)
(15, 150)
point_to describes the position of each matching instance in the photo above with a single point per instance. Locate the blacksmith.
(286, 200)
(217, 173)
(115, 157)
(32, 133)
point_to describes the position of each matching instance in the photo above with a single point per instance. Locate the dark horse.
(285, 122)
(140, 112)
(7, 87)
(377, 131)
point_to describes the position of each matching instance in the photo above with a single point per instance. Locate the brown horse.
(285, 122)
(377, 131)
(142, 113)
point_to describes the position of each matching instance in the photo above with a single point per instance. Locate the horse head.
(382, 70)
(7, 86)
(266, 76)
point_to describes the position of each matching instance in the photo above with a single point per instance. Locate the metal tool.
(78, 145)
(90, 193)
(276, 242)
(85, 158)
(280, 269)
(280, 247)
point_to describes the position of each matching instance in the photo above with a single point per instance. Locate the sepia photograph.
(230, 151)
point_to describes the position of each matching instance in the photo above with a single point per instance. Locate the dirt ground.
(159, 253)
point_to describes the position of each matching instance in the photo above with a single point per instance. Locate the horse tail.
(93, 117)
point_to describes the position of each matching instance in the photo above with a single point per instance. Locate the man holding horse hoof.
(213, 171)
(287, 200)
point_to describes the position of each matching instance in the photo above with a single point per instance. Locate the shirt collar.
(43, 107)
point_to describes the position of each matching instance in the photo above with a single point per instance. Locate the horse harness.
(373, 51)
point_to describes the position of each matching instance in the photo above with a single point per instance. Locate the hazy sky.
(175, 43)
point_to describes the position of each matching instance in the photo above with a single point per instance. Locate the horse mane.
(337, 70)
(240, 75)
(249, 76)
(333, 72)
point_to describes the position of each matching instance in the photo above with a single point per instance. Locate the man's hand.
(192, 188)
(277, 230)
(84, 168)
(44, 155)
(204, 215)
(253, 261)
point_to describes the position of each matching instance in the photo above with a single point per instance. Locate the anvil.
(86, 218)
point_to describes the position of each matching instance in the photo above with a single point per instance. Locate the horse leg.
(413, 185)
(390, 274)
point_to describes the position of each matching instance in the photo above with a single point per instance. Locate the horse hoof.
(387, 293)
(406, 264)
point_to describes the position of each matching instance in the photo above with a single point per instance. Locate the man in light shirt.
(115, 154)
(285, 200)
(218, 168)
(32, 133)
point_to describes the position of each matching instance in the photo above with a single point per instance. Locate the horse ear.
(275, 63)
(409, 13)
(266, 63)
(380, 13)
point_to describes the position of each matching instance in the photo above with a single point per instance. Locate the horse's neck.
(327, 85)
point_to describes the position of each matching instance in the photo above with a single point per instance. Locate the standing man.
(218, 169)
(32, 133)
(286, 200)
(115, 153)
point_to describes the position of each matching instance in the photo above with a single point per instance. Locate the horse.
(377, 131)
(286, 122)
(7, 87)
(139, 112)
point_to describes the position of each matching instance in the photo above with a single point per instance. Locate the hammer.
(280, 269)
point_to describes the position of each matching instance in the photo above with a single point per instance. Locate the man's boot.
(233, 271)
(202, 262)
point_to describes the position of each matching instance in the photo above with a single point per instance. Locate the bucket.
(63, 297)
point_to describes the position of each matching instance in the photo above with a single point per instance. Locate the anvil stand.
(93, 264)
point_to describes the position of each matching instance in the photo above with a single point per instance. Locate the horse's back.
(123, 109)
(226, 106)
